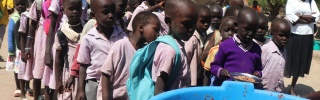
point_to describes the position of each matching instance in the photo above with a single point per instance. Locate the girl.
(65, 44)
(116, 67)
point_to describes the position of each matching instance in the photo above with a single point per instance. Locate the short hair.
(131, 2)
(69, 1)
(224, 19)
(203, 9)
(275, 23)
(215, 6)
(262, 17)
(143, 18)
(173, 5)
(245, 12)
(232, 11)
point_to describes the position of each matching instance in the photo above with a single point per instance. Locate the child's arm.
(160, 83)
(82, 78)
(11, 42)
(58, 71)
(156, 7)
(106, 87)
(23, 39)
(208, 47)
(30, 38)
(217, 66)
(50, 38)
(258, 65)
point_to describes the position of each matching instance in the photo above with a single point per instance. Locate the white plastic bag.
(9, 64)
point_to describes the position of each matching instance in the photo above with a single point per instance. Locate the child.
(227, 29)
(155, 6)
(239, 53)
(132, 5)
(195, 45)
(182, 18)
(218, 2)
(115, 70)
(262, 30)
(65, 44)
(255, 6)
(14, 51)
(120, 12)
(213, 32)
(216, 12)
(274, 56)
(232, 11)
(95, 46)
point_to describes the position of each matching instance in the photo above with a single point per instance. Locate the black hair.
(276, 22)
(215, 6)
(65, 1)
(224, 19)
(131, 2)
(143, 18)
(232, 11)
(172, 6)
(262, 17)
(247, 11)
(203, 9)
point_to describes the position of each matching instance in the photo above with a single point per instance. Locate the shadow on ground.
(300, 90)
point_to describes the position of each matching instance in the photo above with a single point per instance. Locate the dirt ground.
(306, 85)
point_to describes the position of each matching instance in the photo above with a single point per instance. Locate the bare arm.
(161, 83)
(106, 86)
(58, 71)
(50, 38)
(82, 78)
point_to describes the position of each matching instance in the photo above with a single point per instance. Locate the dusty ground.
(308, 84)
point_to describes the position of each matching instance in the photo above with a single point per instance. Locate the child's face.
(247, 28)
(73, 10)
(281, 34)
(184, 23)
(227, 29)
(20, 5)
(104, 13)
(219, 2)
(262, 28)
(216, 17)
(120, 7)
(151, 30)
(204, 20)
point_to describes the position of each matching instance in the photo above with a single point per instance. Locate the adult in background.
(302, 14)
(6, 8)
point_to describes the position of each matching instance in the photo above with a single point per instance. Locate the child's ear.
(141, 29)
(167, 20)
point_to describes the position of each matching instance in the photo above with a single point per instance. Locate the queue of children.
(159, 45)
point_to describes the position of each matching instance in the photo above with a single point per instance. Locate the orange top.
(257, 9)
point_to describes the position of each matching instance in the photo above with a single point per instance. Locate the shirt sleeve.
(290, 12)
(84, 52)
(11, 44)
(10, 4)
(55, 6)
(23, 22)
(32, 14)
(75, 64)
(314, 9)
(111, 62)
(163, 62)
(219, 62)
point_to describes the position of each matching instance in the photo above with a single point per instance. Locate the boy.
(181, 17)
(95, 46)
(239, 53)
(120, 12)
(5, 10)
(262, 30)
(213, 32)
(115, 70)
(274, 56)
(195, 45)
(14, 52)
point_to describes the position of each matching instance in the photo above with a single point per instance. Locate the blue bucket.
(316, 45)
(230, 90)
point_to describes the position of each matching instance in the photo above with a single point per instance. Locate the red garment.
(75, 65)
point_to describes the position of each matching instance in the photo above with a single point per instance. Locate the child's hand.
(81, 95)
(257, 74)
(224, 74)
(59, 87)
(48, 60)
(69, 83)
(161, 5)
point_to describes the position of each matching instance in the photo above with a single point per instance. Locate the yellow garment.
(5, 5)
(212, 53)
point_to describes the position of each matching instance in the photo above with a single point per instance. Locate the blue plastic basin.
(230, 90)
(316, 45)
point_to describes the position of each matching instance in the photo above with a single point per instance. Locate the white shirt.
(298, 6)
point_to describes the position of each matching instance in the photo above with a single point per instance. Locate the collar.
(117, 30)
(274, 48)
(70, 34)
(239, 43)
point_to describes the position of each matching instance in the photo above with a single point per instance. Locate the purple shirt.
(235, 58)
(94, 50)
